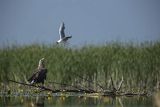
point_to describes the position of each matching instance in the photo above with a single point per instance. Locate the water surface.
(74, 101)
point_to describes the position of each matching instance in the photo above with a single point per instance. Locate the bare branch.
(120, 84)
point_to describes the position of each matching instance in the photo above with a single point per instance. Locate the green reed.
(138, 64)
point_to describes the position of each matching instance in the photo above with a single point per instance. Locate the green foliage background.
(138, 64)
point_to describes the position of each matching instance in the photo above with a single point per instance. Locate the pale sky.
(88, 21)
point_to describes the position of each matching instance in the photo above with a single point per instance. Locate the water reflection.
(38, 102)
(76, 101)
(4, 100)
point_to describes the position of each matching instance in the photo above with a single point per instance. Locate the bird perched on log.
(63, 37)
(40, 75)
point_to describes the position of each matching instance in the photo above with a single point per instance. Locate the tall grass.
(139, 65)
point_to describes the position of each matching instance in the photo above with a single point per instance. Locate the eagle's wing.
(34, 75)
(42, 74)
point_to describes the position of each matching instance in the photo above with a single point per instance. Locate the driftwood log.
(56, 90)
(113, 92)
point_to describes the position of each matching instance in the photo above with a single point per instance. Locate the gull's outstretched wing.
(61, 31)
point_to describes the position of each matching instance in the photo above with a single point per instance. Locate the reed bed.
(139, 65)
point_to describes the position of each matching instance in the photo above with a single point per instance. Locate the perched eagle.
(40, 75)
(63, 37)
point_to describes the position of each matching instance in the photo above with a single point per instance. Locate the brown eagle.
(40, 75)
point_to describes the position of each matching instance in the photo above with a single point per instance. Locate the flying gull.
(40, 75)
(63, 37)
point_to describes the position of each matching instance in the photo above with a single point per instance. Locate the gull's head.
(41, 63)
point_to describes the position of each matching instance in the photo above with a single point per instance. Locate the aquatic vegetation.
(139, 65)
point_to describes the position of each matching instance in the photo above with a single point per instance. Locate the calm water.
(75, 101)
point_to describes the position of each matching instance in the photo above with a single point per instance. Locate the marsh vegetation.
(139, 65)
